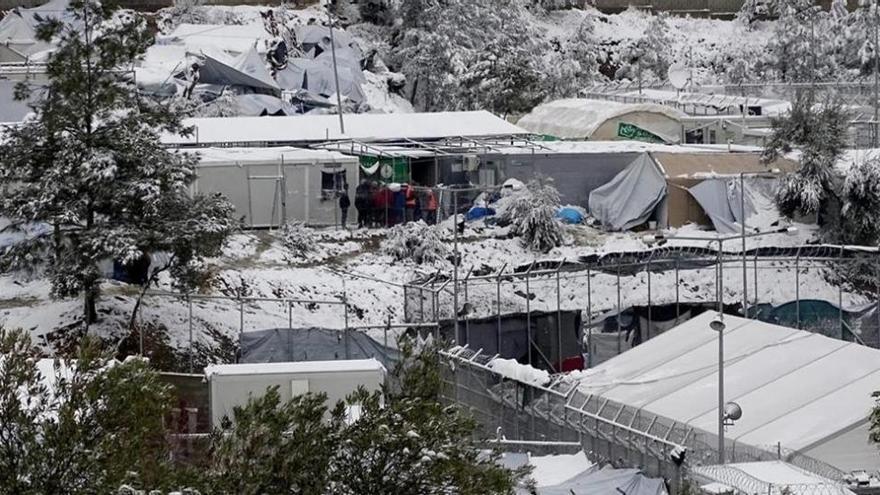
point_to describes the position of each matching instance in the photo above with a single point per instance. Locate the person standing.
(430, 207)
(410, 195)
(362, 203)
(344, 205)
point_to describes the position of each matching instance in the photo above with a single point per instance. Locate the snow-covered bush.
(531, 213)
(298, 239)
(415, 241)
(861, 203)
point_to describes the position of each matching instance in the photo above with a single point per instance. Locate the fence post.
(756, 284)
(618, 305)
(498, 305)
(529, 313)
(648, 267)
(677, 300)
(559, 318)
(590, 320)
(797, 288)
(840, 294)
(190, 304)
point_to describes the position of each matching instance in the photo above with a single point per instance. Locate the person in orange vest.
(429, 205)
(410, 194)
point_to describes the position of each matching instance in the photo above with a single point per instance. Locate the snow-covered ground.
(351, 264)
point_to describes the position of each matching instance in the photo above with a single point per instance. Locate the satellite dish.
(679, 76)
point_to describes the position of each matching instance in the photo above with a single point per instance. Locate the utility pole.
(875, 126)
(326, 4)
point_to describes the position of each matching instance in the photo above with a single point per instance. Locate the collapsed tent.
(282, 345)
(317, 77)
(248, 69)
(256, 105)
(315, 38)
(631, 197)
(725, 205)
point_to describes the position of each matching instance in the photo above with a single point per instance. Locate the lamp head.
(717, 323)
(732, 411)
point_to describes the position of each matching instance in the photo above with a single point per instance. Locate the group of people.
(390, 204)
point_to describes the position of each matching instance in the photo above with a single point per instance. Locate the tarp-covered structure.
(799, 391)
(576, 118)
(631, 197)
(556, 337)
(703, 188)
(282, 345)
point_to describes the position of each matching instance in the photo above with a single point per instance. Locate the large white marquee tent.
(799, 391)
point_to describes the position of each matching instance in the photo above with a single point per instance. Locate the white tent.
(576, 118)
(802, 391)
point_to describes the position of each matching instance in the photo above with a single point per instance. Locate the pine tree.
(99, 427)
(804, 46)
(819, 131)
(272, 446)
(860, 214)
(90, 164)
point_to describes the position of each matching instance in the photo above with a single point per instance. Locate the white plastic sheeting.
(722, 201)
(630, 198)
(798, 389)
(18, 30)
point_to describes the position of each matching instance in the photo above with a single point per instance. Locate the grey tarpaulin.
(317, 76)
(482, 333)
(721, 200)
(712, 196)
(256, 105)
(281, 345)
(631, 196)
(248, 69)
(608, 481)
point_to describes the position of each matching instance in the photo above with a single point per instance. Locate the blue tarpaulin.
(570, 215)
(478, 212)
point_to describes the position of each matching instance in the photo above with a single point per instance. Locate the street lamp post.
(726, 412)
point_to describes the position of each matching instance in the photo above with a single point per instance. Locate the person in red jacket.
(429, 206)
(410, 194)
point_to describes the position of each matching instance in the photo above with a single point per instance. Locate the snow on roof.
(662, 96)
(552, 470)
(231, 38)
(718, 163)
(363, 127)
(576, 118)
(340, 366)
(760, 477)
(781, 377)
(285, 154)
(586, 147)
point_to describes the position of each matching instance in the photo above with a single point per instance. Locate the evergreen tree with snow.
(804, 45)
(819, 132)
(89, 164)
(99, 426)
(860, 213)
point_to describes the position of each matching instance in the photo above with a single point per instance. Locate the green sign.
(636, 133)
